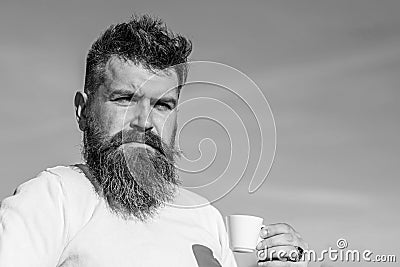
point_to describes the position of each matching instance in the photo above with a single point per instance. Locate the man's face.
(129, 139)
(132, 98)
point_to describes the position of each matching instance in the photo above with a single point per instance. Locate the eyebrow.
(120, 92)
(126, 92)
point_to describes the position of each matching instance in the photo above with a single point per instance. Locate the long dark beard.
(134, 181)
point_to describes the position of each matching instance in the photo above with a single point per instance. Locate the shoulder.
(57, 182)
(188, 199)
(59, 196)
(77, 191)
(71, 179)
(58, 188)
(68, 176)
(40, 189)
(55, 177)
(194, 200)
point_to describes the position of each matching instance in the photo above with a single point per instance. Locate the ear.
(80, 103)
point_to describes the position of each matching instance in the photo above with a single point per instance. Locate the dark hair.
(143, 40)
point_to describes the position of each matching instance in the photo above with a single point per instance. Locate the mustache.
(129, 136)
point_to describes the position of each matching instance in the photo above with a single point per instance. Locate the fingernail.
(264, 232)
(260, 245)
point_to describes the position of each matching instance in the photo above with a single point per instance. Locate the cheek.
(112, 120)
(166, 127)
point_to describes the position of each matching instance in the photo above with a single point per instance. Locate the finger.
(274, 264)
(279, 240)
(276, 229)
(281, 253)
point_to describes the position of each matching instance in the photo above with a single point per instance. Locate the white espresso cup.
(243, 232)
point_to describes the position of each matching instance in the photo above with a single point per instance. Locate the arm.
(33, 223)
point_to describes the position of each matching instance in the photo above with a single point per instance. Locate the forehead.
(126, 75)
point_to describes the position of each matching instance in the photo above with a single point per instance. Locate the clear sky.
(329, 69)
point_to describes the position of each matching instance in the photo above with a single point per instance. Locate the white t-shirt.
(57, 219)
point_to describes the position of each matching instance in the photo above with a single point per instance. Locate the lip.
(137, 144)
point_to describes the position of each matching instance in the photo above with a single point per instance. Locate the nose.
(142, 120)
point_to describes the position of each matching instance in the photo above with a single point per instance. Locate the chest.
(168, 241)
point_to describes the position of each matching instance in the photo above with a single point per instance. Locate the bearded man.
(123, 207)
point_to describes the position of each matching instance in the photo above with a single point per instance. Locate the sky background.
(329, 69)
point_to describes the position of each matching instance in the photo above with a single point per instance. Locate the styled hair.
(143, 40)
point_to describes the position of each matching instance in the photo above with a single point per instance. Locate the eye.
(162, 106)
(123, 99)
